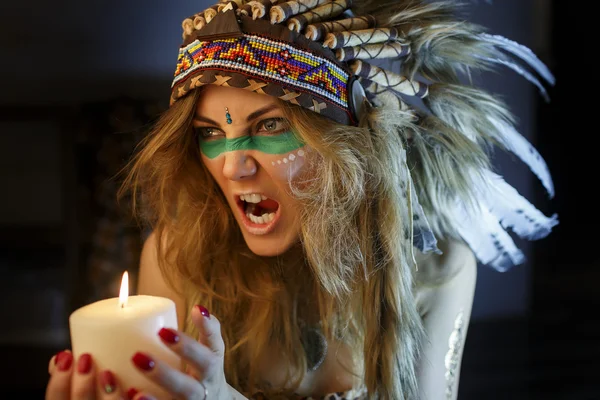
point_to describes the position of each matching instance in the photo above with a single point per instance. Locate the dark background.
(82, 80)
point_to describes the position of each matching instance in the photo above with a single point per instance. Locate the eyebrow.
(200, 118)
(250, 117)
(261, 111)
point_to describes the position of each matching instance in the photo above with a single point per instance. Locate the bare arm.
(446, 318)
(151, 281)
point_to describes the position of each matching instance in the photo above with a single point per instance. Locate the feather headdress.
(325, 55)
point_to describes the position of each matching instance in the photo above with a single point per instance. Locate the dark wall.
(568, 270)
(508, 294)
(84, 51)
(58, 55)
(72, 51)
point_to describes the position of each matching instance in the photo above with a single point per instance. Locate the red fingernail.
(108, 381)
(204, 311)
(168, 335)
(143, 361)
(131, 393)
(84, 365)
(64, 361)
(59, 355)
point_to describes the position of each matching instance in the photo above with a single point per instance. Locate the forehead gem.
(228, 116)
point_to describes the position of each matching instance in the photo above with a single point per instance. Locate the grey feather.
(522, 52)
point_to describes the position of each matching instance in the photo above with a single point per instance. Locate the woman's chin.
(268, 247)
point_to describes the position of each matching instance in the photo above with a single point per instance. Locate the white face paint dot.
(285, 160)
(301, 153)
(292, 157)
(272, 162)
(278, 161)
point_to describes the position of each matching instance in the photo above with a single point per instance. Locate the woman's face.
(251, 152)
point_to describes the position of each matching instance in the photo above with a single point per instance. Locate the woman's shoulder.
(152, 281)
(434, 269)
(455, 267)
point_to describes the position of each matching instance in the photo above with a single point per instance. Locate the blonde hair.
(353, 238)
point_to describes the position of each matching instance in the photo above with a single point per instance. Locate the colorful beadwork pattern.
(269, 60)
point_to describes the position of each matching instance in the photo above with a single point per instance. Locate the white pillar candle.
(113, 330)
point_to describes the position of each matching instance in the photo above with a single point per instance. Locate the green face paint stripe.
(241, 143)
(212, 148)
(277, 144)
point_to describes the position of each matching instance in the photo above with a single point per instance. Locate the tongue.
(266, 206)
(269, 204)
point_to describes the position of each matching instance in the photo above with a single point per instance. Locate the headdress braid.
(332, 56)
(340, 50)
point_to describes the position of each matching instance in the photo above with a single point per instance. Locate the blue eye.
(207, 133)
(273, 125)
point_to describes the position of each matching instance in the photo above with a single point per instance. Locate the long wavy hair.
(355, 276)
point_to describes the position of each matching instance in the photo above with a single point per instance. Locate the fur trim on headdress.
(327, 56)
(452, 125)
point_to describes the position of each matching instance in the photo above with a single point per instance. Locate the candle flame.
(124, 292)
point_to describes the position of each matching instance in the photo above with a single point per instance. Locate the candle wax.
(113, 334)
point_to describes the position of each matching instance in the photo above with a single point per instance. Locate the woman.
(329, 213)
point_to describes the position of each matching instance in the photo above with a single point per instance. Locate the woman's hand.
(205, 378)
(80, 380)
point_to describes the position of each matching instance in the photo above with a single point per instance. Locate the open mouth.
(258, 210)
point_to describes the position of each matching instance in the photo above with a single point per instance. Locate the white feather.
(497, 207)
(522, 52)
(517, 144)
(512, 210)
(521, 71)
(483, 233)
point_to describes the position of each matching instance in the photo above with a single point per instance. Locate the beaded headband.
(286, 49)
(250, 54)
(320, 55)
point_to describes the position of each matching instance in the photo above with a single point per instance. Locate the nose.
(238, 165)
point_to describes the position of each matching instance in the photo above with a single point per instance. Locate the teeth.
(264, 219)
(253, 198)
(268, 217)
